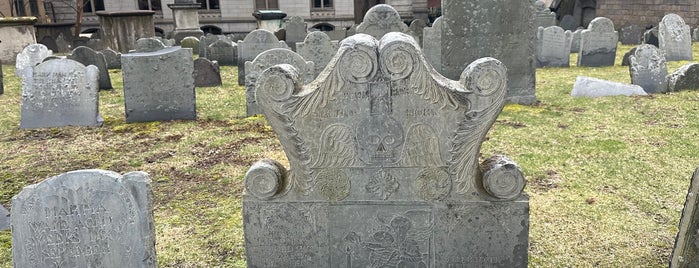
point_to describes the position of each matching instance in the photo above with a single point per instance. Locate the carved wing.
(421, 147)
(337, 147)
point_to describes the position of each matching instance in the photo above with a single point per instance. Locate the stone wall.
(644, 12)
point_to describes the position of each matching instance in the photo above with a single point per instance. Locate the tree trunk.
(79, 4)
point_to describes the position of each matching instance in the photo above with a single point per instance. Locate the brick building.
(647, 12)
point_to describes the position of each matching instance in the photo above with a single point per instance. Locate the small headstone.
(113, 58)
(631, 34)
(575, 43)
(4, 219)
(296, 30)
(695, 35)
(675, 38)
(60, 92)
(148, 45)
(432, 44)
(648, 69)
(626, 60)
(544, 16)
(85, 218)
(87, 56)
(169, 95)
(337, 34)
(62, 45)
(382, 19)
(417, 26)
(553, 47)
(686, 77)
(223, 51)
(685, 253)
(204, 43)
(318, 48)
(268, 59)
(206, 73)
(165, 41)
(255, 42)
(190, 42)
(598, 44)
(49, 42)
(650, 37)
(30, 56)
(569, 23)
(593, 88)
(280, 34)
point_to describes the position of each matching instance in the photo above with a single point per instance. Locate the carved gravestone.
(113, 58)
(598, 44)
(296, 30)
(432, 44)
(674, 38)
(631, 34)
(223, 51)
(87, 56)
(568, 23)
(169, 95)
(204, 43)
(502, 29)
(255, 42)
(575, 43)
(593, 88)
(85, 218)
(685, 254)
(384, 173)
(190, 42)
(417, 26)
(60, 92)
(648, 69)
(268, 59)
(686, 77)
(650, 37)
(544, 17)
(4, 219)
(553, 47)
(206, 73)
(626, 60)
(382, 19)
(30, 56)
(318, 48)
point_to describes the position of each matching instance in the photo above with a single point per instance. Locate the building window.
(322, 4)
(266, 4)
(149, 5)
(208, 4)
(90, 6)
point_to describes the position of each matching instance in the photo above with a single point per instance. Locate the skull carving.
(379, 140)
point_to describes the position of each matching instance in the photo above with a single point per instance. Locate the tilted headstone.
(113, 58)
(553, 47)
(598, 43)
(384, 166)
(648, 69)
(631, 34)
(686, 77)
(575, 43)
(4, 219)
(626, 60)
(60, 92)
(85, 218)
(223, 51)
(190, 42)
(87, 56)
(169, 95)
(675, 38)
(544, 16)
(650, 37)
(593, 88)
(417, 26)
(318, 48)
(432, 44)
(296, 30)
(206, 73)
(685, 253)
(569, 23)
(255, 42)
(268, 59)
(382, 19)
(30, 56)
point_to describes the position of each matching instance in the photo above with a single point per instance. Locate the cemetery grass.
(607, 177)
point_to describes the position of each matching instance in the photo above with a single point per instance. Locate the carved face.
(379, 140)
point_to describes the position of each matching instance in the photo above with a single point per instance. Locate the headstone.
(685, 254)
(4, 219)
(593, 88)
(695, 35)
(648, 69)
(148, 45)
(204, 43)
(502, 29)
(686, 77)
(675, 39)
(417, 26)
(318, 48)
(383, 173)
(631, 34)
(49, 42)
(280, 34)
(85, 218)
(223, 51)
(296, 30)
(352, 30)
(113, 58)
(598, 44)
(169, 95)
(575, 43)
(650, 37)
(382, 19)
(62, 45)
(569, 23)
(337, 34)
(268, 59)
(206, 73)
(87, 56)
(432, 44)
(60, 92)
(255, 42)
(553, 47)
(626, 60)
(544, 16)
(30, 56)
(190, 42)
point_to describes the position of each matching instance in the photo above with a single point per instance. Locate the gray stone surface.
(30, 56)
(631, 34)
(85, 218)
(553, 47)
(148, 45)
(686, 77)
(318, 48)
(190, 42)
(417, 26)
(224, 51)
(598, 44)
(593, 88)
(502, 29)
(206, 73)
(204, 43)
(49, 42)
(569, 23)
(113, 58)
(695, 35)
(650, 37)
(382, 19)
(432, 44)
(626, 60)
(87, 56)
(255, 42)
(575, 43)
(685, 253)
(648, 69)
(60, 92)
(383, 173)
(268, 59)
(675, 38)
(62, 45)
(544, 16)
(296, 30)
(169, 95)
(4, 219)
(337, 34)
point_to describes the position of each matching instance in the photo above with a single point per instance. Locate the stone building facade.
(647, 13)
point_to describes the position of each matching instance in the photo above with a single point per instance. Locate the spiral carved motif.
(359, 65)
(503, 179)
(279, 88)
(487, 78)
(397, 61)
(264, 180)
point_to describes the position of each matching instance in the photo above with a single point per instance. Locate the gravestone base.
(597, 59)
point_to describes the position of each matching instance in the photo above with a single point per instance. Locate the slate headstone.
(598, 43)
(30, 56)
(417, 26)
(112, 58)
(686, 77)
(383, 173)
(568, 23)
(553, 47)
(675, 38)
(223, 51)
(650, 37)
(204, 43)
(206, 73)
(296, 30)
(49, 42)
(648, 69)
(318, 48)
(85, 218)
(695, 35)
(87, 56)
(169, 95)
(685, 253)
(148, 45)
(4, 219)
(575, 43)
(626, 60)
(190, 42)
(631, 34)
(382, 19)
(432, 44)
(62, 45)
(544, 16)
(255, 42)
(593, 88)
(60, 92)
